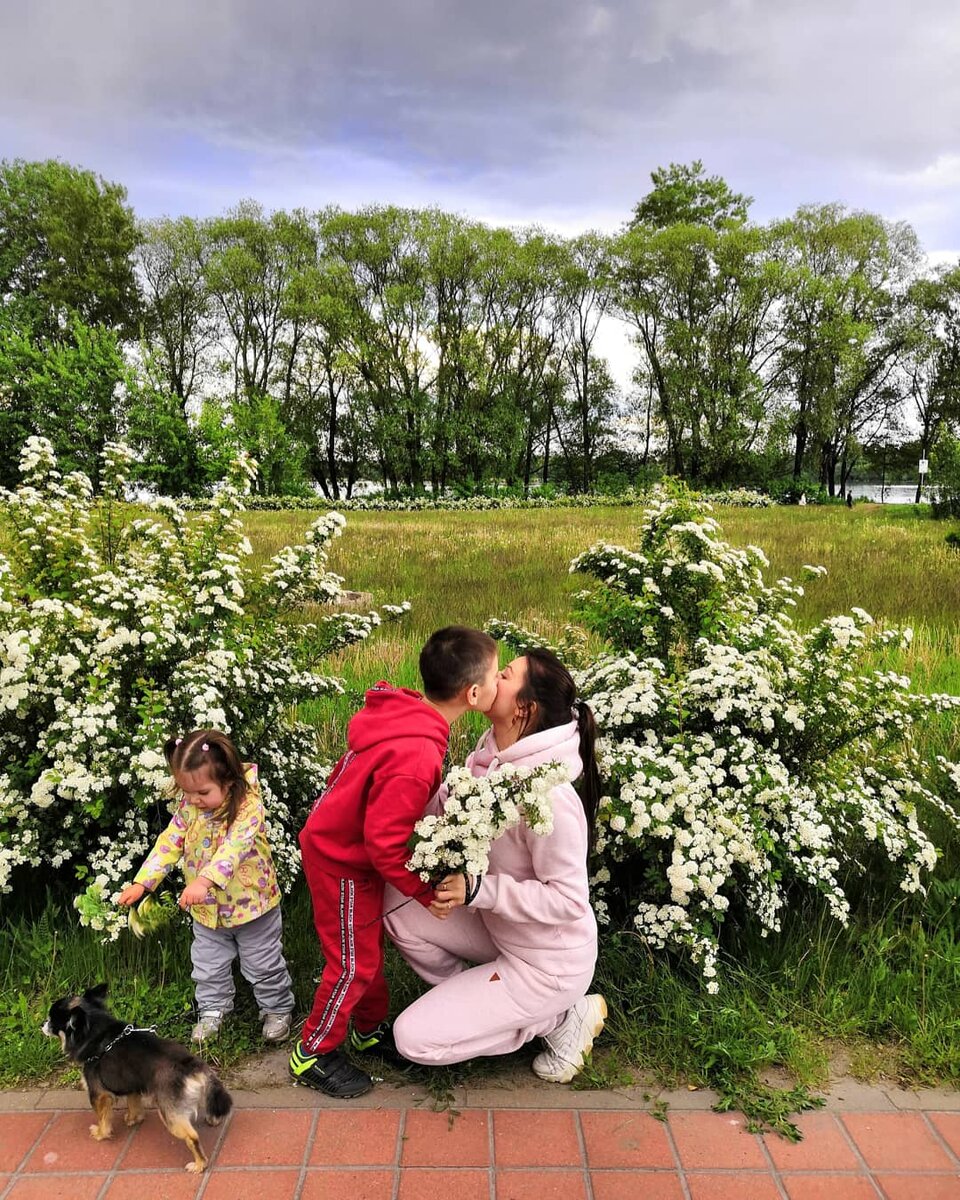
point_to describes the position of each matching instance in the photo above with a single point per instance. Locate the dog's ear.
(77, 1022)
(96, 995)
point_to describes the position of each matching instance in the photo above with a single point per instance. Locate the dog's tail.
(219, 1100)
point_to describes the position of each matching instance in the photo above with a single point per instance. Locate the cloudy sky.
(553, 111)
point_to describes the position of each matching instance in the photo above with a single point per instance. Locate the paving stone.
(734, 1185)
(920, 1187)
(433, 1139)
(824, 1146)
(18, 1132)
(715, 1140)
(631, 1185)
(896, 1142)
(252, 1184)
(541, 1185)
(947, 1125)
(57, 1187)
(425, 1184)
(66, 1145)
(625, 1139)
(351, 1138)
(550, 1140)
(347, 1185)
(155, 1185)
(266, 1138)
(826, 1186)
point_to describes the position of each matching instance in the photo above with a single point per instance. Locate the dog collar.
(125, 1032)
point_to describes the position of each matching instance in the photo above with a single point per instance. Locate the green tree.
(932, 357)
(179, 320)
(66, 243)
(842, 329)
(683, 194)
(586, 288)
(700, 301)
(73, 389)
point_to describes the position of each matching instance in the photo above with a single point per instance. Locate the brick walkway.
(306, 1152)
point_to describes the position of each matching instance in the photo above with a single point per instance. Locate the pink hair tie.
(178, 741)
(204, 747)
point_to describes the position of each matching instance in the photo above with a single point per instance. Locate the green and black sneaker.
(331, 1073)
(380, 1042)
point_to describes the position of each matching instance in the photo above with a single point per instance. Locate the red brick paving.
(824, 1186)
(897, 1142)
(550, 1141)
(302, 1153)
(625, 1139)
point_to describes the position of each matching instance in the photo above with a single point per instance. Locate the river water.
(893, 493)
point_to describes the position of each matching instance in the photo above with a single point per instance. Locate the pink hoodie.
(535, 898)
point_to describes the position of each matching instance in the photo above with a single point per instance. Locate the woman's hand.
(449, 894)
(131, 893)
(196, 892)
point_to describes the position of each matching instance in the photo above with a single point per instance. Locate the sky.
(545, 111)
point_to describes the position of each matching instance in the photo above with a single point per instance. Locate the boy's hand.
(131, 893)
(196, 892)
(449, 894)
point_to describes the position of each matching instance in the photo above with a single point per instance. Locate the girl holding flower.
(218, 834)
(527, 921)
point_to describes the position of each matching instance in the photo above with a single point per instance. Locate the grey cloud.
(561, 100)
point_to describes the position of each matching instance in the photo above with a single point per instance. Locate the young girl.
(218, 832)
(528, 923)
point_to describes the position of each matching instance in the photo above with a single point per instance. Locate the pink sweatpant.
(490, 1009)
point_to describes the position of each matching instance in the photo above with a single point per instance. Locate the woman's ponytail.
(590, 784)
(550, 695)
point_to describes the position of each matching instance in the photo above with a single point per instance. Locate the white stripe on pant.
(349, 960)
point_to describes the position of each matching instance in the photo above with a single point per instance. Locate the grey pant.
(261, 963)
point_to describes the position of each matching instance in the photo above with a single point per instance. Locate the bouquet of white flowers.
(476, 811)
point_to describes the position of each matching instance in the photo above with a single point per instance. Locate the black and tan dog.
(119, 1060)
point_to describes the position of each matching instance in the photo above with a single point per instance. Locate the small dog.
(118, 1060)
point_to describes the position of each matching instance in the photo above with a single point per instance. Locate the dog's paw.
(100, 1135)
(132, 1119)
(195, 1168)
(212, 1120)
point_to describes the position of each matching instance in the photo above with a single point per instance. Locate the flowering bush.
(433, 503)
(115, 632)
(733, 498)
(475, 813)
(741, 757)
(739, 498)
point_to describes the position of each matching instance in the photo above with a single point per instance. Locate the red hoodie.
(362, 821)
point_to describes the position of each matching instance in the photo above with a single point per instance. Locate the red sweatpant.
(347, 914)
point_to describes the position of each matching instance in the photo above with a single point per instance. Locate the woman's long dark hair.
(549, 686)
(212, 749)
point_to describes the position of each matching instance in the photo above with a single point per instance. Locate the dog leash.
(125, 1032)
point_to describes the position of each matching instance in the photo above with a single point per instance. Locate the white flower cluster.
(117, 632)
(741, 758)
(476, 811)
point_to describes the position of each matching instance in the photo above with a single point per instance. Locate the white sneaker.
(571, 1041)
(276, 1026)
(208, 1026)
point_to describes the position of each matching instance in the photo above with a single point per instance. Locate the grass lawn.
(880, 997)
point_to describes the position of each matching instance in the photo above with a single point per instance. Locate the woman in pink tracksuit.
(528, 922)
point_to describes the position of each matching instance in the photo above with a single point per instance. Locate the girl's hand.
(196, 892)
(450, 893)
(131, 893)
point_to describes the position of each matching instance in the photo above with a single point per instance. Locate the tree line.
(428, 352)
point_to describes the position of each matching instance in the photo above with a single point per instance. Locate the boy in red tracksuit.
(358, 835)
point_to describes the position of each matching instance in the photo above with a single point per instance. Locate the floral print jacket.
(236, 860)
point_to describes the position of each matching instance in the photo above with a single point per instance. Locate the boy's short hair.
(454, 658)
